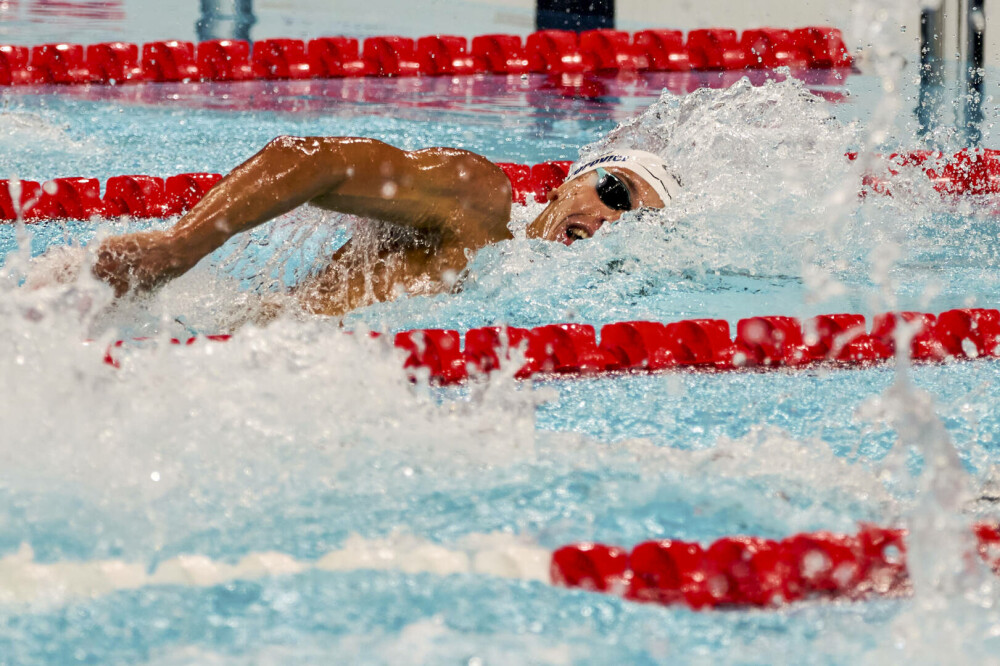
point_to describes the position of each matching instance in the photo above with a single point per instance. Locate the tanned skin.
(455, 202)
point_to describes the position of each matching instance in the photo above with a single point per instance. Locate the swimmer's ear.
(553, 194)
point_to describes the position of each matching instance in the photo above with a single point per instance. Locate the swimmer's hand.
(138, 262)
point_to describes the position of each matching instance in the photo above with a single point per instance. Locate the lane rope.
(446, 357)
(745, 571)
(967, 172)
(545, 51)
(731, 572)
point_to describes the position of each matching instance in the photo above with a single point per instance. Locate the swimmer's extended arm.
(459, 196)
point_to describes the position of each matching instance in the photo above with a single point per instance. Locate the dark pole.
(574, 14)
(931, 69)
(975, 29)
(225, 19)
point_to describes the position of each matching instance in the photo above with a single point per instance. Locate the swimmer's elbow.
(292, 144)
(321, 164)
(322, 148)
(286, 153)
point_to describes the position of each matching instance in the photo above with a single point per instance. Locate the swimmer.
(451, 202)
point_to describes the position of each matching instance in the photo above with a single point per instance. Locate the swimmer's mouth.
(580, 227)
(575, 233)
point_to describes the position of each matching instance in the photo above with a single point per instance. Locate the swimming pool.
(288, 496)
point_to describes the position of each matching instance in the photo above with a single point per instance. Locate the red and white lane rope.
(646, 346)
(732, 572)
(545, 51)
(970, 171)
(742, 571)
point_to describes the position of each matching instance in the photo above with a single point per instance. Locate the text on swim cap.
(600, 160)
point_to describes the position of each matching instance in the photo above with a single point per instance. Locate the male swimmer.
(451, 202)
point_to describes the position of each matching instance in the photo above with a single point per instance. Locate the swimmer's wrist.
(185, 248)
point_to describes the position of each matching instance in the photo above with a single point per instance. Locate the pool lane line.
(966, 172)
(744, 571)
(842, 340)
(559, 52)
(732, 572)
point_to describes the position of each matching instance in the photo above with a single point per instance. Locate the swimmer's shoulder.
(481, 190)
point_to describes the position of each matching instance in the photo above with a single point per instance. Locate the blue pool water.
(288, 497)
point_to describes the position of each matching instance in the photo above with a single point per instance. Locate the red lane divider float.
(551, 51)
(645, 346)
(744, 571)
(80, 198)
(970, 171)
(966, 172)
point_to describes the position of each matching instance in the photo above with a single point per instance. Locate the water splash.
(954, 593)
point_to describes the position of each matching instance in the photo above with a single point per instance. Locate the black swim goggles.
(612, 191)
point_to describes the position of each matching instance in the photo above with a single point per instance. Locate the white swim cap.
(651, 168)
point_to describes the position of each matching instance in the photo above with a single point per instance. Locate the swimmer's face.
(576, 209)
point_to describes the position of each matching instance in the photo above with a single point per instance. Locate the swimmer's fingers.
(136, 262)
(113, 266)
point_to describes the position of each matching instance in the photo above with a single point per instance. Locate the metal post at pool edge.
(931, 70)
(225, 19)
(575, 15)
(975, 26)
